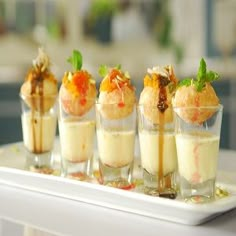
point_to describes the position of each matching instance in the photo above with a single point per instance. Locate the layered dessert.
(156, 134)
(39, 93)
(116, 123)
(76, 124)
(197, 130)
(116, 102)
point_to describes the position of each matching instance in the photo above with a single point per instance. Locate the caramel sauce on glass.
(164, 182)
(37, 101)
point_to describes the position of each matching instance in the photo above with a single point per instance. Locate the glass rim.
(218, 107)
(37, 96)
(113, 103)
(186, 107)
(87, 99)
(149, 105)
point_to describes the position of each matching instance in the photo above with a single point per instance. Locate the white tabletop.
(62, 216)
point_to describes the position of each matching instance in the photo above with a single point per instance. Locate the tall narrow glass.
(77, 134)
(197, 140)
(39, 120)
(158, 152)
(116, 143)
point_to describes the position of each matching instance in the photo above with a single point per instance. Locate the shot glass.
(158, 152)
(77, 136)
(116, 144)
(39, 121)
(197, 140)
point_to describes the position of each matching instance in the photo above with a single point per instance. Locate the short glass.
(116, 144)
(77, 134)
(158, 152)
(197, 140)
(39, 121)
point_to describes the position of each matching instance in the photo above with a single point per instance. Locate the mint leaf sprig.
(203, 77)
(104, 70)
(185, 82)
(76, 60)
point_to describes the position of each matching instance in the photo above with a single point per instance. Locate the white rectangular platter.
(12, 174)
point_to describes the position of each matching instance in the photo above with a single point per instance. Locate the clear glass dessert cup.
(39, 121)
(116, 143)
(197, 132)
(77, 136)
(158, 152)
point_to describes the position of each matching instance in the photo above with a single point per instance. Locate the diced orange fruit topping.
(114, 73)
(151, 81)
(81, 81)
(79, 84)
(111, 82)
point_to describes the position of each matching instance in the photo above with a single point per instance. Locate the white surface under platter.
(12, 174)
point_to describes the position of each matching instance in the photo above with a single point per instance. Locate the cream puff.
(78, 91)
(196, 95)
(40, 87)
(117, 94)
(156, 96)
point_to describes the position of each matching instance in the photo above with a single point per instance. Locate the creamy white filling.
(149, 149)
(38, 132)
(116, 148)
(77, 140)
(197, 157)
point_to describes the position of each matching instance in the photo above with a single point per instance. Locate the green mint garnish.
(203, 77)
(199, 85)
(118, 67)
(76, 60)
(103, 70)
(201, 74)
(185, 82)
(211, 76)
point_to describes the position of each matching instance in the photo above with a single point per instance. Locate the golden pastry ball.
(39, 91)
(191, 99)
(117, 104)
(159, 86)
(117, 95)
(149, 98)
(77, 105)
(77, 93)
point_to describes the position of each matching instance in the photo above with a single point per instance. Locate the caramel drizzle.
(37, 82)
(162, 106)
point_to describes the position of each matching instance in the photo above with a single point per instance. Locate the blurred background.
(134, 33)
